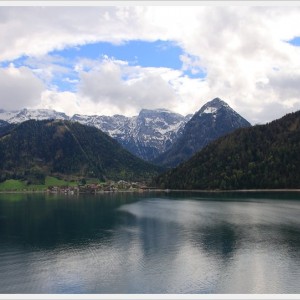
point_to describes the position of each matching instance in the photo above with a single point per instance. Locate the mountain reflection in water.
(150, 243)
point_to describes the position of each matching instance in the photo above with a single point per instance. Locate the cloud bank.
(243, 51)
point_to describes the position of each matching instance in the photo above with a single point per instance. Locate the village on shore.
(93, 188)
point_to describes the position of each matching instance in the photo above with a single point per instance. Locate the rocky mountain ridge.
(214, 119)
(160, 136)
(146, 135)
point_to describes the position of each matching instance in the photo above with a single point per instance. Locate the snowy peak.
(29, 114)
(146, 135)
(218, 111)
(152, 132)
(112, 125)
(160, 119)
(214, 119)
(7, 115)
(213, 106)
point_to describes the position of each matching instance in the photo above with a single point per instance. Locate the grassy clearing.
(12, 185)
(20, 185)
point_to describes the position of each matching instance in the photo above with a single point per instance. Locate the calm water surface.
(150, 243)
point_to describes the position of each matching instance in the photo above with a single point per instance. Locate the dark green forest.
(259, 157)
(34, 149)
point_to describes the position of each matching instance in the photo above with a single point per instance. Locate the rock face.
(152, 132)
(146, 135)
(215, 119)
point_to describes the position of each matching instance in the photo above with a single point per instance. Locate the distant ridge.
(146, 135)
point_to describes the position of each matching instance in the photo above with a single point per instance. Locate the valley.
(215, 149)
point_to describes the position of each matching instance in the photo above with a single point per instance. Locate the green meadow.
(22, 185)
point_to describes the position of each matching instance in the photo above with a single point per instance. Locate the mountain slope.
(5, 127)
(213, 120)
(3, 123)
(37, 148)
(263, 156)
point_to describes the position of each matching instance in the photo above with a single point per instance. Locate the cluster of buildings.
(93, 188)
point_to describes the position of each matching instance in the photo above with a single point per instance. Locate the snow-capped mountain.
(112, 125)
(146, 135)
(25, 114)
(215, 119)
(159, 135)
(152, 132)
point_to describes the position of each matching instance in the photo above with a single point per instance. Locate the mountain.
(259, 157)
(146, 135)
(112, 125)
(25, 114)
(58, 147)
(215, 119)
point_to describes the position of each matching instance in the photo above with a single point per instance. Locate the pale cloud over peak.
(125, 88)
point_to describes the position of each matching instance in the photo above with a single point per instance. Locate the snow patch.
(210, 110)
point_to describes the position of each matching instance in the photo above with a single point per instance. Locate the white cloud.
(59, 27)
(240, 48)
(120, 88)
(66, 102)
(19, 88)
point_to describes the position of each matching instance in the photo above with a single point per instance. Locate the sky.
(120, 59)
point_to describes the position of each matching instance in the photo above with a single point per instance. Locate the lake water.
(154, 243)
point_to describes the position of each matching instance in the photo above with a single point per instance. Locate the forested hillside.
(35, 149)
(263, 156)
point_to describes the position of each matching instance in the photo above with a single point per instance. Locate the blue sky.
(295, 41)
(156, 54)
(145, 54)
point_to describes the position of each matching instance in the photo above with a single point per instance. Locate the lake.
(153, 243)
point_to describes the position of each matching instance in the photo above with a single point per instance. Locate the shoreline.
(234, 191)
(141, 191)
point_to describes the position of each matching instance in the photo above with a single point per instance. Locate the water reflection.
(219, 240)
(238, 244)
(51, 220)
(151, 243)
